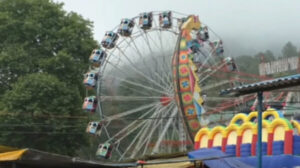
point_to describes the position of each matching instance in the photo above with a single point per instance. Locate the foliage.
(39, 36)
(248, 64)
(289, 50)
(36, 101)
(43, 54)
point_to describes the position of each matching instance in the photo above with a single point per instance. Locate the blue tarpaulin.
(215, 158)
(206, 153)
(277, 161)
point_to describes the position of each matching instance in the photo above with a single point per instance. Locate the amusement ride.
(155, 81)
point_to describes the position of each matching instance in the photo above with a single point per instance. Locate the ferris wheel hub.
(165, 100)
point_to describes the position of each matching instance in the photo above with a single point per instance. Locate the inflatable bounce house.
(281, 140)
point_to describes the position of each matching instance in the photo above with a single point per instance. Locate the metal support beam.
(259, 129)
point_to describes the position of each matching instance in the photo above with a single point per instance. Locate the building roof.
(278, 83)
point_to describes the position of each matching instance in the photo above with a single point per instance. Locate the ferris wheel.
(156, 76)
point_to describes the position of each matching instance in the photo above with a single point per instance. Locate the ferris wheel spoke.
(132, 111)
(131, 130)
(134, 83)
(165, 81)
(105, 130)
(146, 39)
(167, 125)
(169, 68)
(155, 125)
(219, 98)
(117, 149)
(138, 52)
(215, 85)
(131, 127)
(140, 72)
(157, 75)
(142, 133)
(163, 64)
(129, 98)
(139, 135)
(169, 78)
(208, 58)
(135, 90)
(151, 51)
(142, 86)
(211, 73)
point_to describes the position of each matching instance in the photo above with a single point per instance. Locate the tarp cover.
(206, 154)
(277, 161)
(13, 155)
(217, 159)
(214, 158)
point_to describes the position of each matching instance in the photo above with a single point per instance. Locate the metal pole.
(259, 129)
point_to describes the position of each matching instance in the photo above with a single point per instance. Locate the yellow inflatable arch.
(247, 131)
(252, 116)
(231, 133)
(270, 112)
(241, 117)
(296, 125)
(279, 126)
(266, 129)
(202, 137)
(216, 135)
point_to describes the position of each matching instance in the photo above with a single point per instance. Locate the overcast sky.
(246, 26)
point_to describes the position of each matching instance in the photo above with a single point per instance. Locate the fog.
(246, 27)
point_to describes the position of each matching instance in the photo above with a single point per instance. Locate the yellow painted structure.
(216, 135)
(231, 132)
(278, 127)
(204, 141)
(239, 117)
(246, 131)
(248, 128)
(251, 116)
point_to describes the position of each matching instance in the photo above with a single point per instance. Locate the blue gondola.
(109, 40)
(90, 104)
(90, 80)
(165, 19)
(145, 20)
(104, 150)
(126, 27)
(97, 57)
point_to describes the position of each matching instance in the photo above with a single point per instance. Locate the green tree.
(289, 50)
(248, 64)
(43, 53)
(268, 56)
(39, 36)
(35, 104)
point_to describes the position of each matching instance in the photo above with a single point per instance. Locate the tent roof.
(35, 158)
(267, 85)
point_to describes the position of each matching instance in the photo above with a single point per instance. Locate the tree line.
(250, 63)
